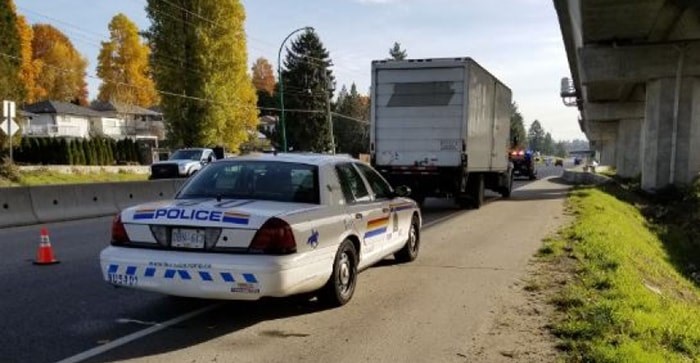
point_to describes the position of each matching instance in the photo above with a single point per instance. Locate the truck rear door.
(419, 116)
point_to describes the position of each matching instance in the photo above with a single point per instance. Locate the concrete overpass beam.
(611, 111)
(637, 63)
(628, 147)
(660, 139)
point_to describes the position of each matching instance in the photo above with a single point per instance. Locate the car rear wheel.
(341, 286)
(409, 252)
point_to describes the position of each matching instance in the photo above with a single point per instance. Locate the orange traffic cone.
(44, 255)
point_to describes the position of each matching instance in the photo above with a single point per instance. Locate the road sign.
(8, 126)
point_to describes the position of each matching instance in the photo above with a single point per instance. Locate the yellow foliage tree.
(213, 100)
(123, 66)
(60, 69)
(27, 72)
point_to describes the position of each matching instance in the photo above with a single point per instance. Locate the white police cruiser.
(265, 225)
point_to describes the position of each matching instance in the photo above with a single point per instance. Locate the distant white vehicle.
(265, 225)
(182, 163)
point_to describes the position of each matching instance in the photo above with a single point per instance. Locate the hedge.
(61, 151)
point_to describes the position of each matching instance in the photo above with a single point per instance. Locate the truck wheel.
(409, 252)
(508, 189)
(341, 286)
(475, 185)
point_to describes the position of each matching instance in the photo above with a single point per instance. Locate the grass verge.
(626, 296)
(45, 177)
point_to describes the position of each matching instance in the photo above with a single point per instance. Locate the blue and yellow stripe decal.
(144, 213)
(236, 218)
(377, 227)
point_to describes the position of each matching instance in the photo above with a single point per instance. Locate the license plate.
(122, 280)
(187, 238)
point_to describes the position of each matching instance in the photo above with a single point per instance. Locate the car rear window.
(260, 180)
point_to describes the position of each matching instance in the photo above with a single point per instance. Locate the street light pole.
(281, 81)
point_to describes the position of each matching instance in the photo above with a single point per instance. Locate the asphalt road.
(400, 312)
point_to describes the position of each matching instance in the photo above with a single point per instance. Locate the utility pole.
(329, 115)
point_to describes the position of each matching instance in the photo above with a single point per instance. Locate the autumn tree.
(518, 138)
(351, 122)
(265, 85)
(123, 66)
(397, 53)
(307, 77)
(210, 97)
(11, 58)
(60, 69)
(27, 72)
(263, 76)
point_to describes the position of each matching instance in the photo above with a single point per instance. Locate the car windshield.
(261, 180)
(187, 155)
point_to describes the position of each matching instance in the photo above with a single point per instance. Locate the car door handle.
(359, 216)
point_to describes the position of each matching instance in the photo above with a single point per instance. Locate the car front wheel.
(341, 286)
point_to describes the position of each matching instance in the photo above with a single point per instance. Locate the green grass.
(44, 177)
(627, 300)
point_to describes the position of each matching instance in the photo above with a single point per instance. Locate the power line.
(169, 93)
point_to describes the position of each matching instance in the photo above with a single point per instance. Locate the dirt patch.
(520, 324)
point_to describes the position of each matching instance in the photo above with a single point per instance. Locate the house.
(58, 119)
(122, 120)
(268, 124)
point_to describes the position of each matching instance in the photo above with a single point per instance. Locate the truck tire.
(475, 188)
(508, 188)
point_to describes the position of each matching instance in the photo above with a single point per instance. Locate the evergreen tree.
(307, 68)
(548, 144)
(213, 66)
(518, 138)
(397, 53)
(350, 125)
(560, 149)
(85, 146)
(65, 152)
(535, 136)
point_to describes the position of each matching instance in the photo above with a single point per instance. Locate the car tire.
(409, 251)
(341, 285)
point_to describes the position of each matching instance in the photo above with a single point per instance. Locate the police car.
(265, 226)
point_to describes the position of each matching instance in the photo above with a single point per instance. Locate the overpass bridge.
(635, 78)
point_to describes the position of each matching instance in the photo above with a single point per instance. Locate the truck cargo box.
(440, 113)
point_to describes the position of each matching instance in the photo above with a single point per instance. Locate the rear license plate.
(123, 280)
(187, 238)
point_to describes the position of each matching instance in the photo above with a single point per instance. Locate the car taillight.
(119, 235)
(275, 237)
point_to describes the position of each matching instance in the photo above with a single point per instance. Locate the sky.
(518, 41)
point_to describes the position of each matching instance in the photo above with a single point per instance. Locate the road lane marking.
(137, 335)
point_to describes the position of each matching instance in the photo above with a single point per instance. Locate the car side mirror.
(402, 191)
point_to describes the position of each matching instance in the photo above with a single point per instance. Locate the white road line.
(137, 335)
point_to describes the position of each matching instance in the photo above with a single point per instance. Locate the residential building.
(122, 120)
(58, 119)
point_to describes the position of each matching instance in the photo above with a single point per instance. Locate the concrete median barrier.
(16, 207)
(55, 203)
(64, 202)
(132, 193)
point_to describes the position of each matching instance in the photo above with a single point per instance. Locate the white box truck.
(441, 127)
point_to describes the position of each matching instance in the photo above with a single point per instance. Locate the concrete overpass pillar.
(660, 139)
(628, 148)
(604, 134)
